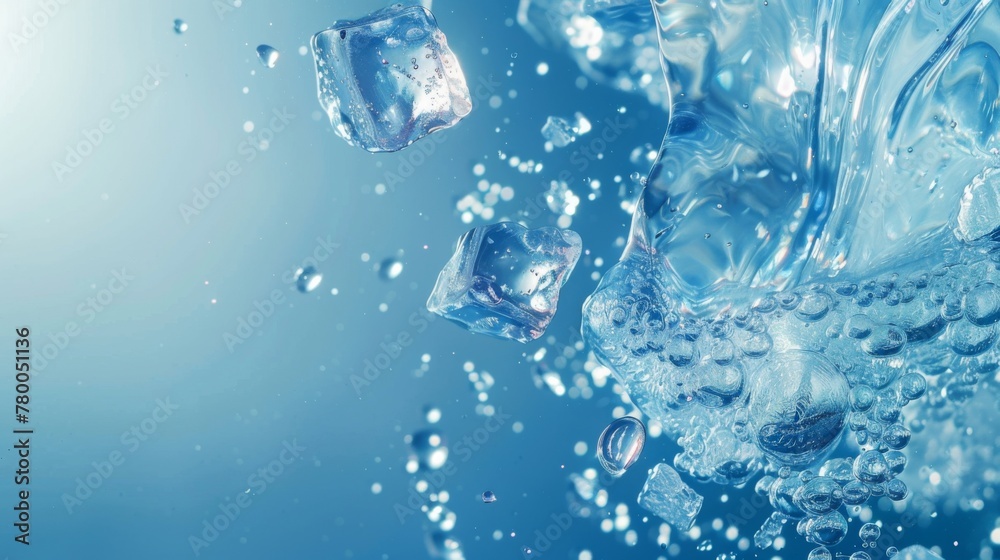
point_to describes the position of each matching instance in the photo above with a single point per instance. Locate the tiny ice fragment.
(389, 79)
(268, 55)
(504, 279)
(666, 495)
(559, 132)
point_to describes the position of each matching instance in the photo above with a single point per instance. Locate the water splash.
(815, 248)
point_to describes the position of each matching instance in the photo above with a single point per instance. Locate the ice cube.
(917, 552)
(389, 79)
(666, 495)
(504, 279)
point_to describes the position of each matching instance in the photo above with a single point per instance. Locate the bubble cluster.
(778, 384)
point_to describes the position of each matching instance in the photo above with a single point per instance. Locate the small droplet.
(869, 532)
(307, 279)
(390, 269)
(489, 497)
(820, 553)
(432, 414)
(180, 26)
(620, 444)
(268, 55)
(430, 449)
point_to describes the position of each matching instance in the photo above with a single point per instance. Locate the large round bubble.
(798, 406)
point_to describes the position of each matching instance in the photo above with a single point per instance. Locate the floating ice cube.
(666, 495)
(504, 279)
(916, 552)
(389, 79)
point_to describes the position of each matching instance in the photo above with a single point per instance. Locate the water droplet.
(912, 386)
(432, 414)
(180, 26)
(620, 444)
(862, 397)
(307, 279)
(827, 530)
(390, 269)
(896, 489)
(268, 55)
(489, 497)
(819, 496)
(856, 493)
(896, 436)
(982, 304)
(430, 449)
(821, 553)
(871, 467)
(870, 532)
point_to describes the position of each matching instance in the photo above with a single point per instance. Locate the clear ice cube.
(504, 279)
(389, 79)
(666, 495)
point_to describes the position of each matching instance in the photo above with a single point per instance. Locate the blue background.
(64, 234)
